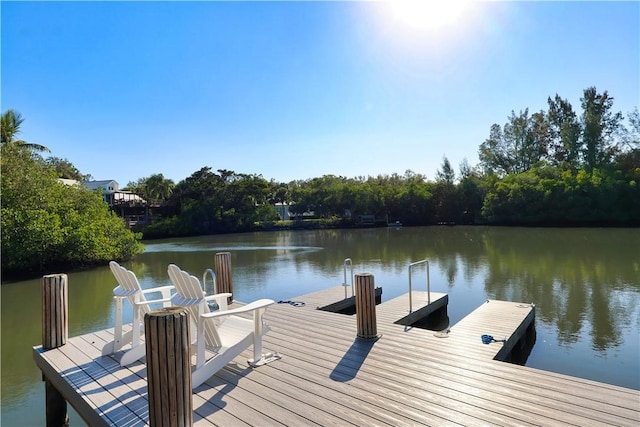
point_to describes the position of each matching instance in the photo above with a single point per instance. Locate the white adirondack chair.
(219, 335)
(129, 289)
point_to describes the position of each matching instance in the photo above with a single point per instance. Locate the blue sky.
(296, 90)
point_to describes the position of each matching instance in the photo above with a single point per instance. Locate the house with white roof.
(130, 206)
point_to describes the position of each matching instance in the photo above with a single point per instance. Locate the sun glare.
(427, 15)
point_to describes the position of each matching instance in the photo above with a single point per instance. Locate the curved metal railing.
(347, 261)
(413, 264)
(213, 278)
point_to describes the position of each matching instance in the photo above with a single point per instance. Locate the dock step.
(348, 305)
(422, 310)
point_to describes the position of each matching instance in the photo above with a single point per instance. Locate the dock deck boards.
(328, 377)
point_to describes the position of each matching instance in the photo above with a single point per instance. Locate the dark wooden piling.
(222, 268)
(366, 307)
(55, 331)
(168, 367)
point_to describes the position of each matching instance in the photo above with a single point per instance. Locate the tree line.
(560, 167)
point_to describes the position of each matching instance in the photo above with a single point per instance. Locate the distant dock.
(409, 376)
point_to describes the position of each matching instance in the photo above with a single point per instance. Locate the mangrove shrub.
(47, 224)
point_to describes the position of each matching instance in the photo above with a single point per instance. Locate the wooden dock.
(410, 376)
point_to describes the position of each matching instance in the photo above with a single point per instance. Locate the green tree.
(446, 173)
(517, 146)
(208, 203)
(135, 186)
(414, 197)
(10, 123)
(158, 187)
(540, 139)
(444, 194)
(65, 169)
(516, 137)
(155, 187)
(495, 154)
(324, 196)
(565, 132)
(470, 193)
(279, 192)
(550, 196)
(630, 137)
(628, 160)
(527, 139)
(600, 124)
(46, 224)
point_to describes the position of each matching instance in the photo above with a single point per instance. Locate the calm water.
(585, 284)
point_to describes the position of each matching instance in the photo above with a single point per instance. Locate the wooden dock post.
(55, 331)
(168, 367)
(222, 268)
(366, 307)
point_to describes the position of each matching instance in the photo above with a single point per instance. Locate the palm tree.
(10, 127)
(158, 187)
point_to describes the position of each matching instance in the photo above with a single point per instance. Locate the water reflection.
(581, 279)
(585, 283)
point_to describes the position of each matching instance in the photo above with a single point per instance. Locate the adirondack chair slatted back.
(189, 294)
(128, 286)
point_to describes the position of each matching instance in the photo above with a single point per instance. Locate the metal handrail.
(348, 261)
(424, 261)
(213, 277)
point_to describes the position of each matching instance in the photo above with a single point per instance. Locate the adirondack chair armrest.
(220, 299)
(255, 305)
(164, 290)
(179, 300)
(159, 289)
(153, 301)
(217, 297)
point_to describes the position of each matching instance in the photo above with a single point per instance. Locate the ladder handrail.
(213, 277)
(347, 261)
(424, 261)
